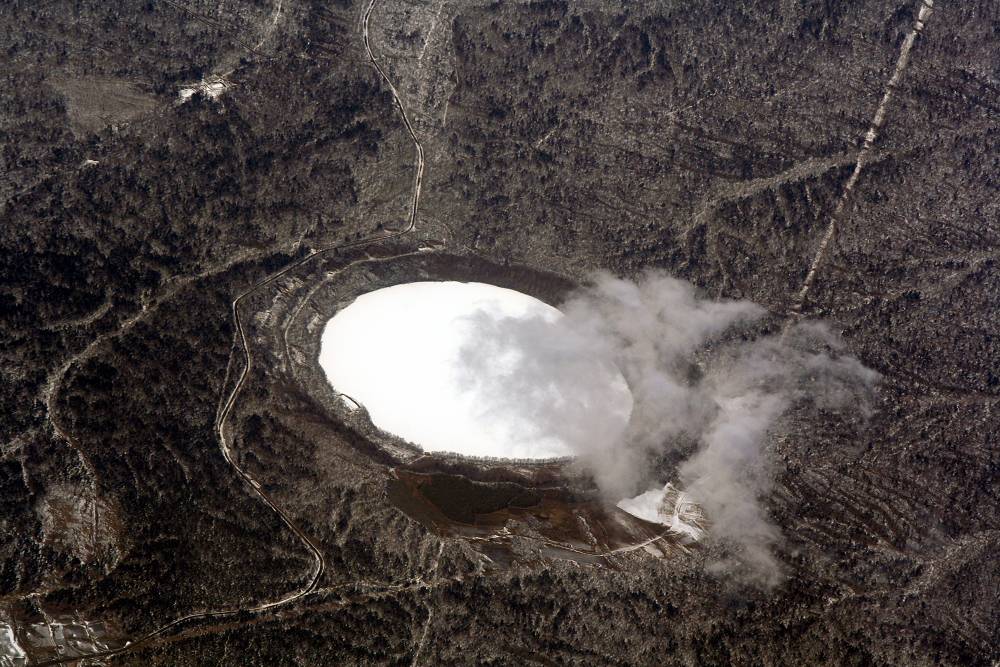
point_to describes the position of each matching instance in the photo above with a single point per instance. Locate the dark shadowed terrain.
(189, 188)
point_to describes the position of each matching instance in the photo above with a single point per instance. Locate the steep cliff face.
(164, 258)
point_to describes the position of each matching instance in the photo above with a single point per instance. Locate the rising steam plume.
(705, 389)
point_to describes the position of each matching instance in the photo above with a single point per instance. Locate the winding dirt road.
(227, 409)
(418, 178)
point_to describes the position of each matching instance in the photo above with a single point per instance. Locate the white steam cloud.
(704, 389)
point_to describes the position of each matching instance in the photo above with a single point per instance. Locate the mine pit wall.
(326, 465)
(338, 288)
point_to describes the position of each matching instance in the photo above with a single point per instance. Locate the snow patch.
(213, 87)
(669, 507)
(11, 653)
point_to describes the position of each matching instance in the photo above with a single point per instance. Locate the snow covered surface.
(67, 638)
(669, 507)
(213, 87)
(11, 654)
(397, 352)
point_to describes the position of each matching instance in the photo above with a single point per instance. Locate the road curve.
(223, 416)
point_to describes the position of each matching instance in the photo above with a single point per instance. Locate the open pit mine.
(742, 409)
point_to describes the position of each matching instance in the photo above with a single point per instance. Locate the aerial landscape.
(475, 332)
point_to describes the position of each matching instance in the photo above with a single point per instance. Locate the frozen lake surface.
(431, 363)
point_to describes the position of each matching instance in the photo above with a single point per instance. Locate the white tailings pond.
(435, 363)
